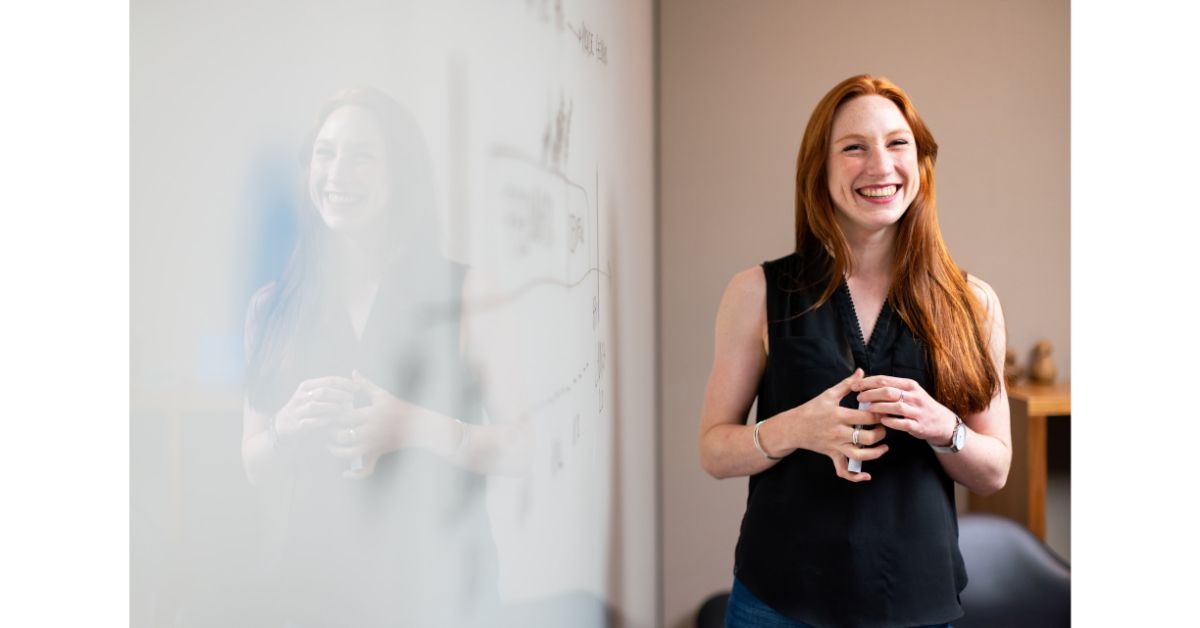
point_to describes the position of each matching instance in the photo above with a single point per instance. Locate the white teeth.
(335, 197)
(879, 192)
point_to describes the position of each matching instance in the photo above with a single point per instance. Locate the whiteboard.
(538, 120)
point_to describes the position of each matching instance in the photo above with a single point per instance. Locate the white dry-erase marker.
(855, 466)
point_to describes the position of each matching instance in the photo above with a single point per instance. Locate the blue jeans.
(747, 611)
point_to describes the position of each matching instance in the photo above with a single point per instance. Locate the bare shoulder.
(746, 294)
(985, 294)
(995, 314)
(742, 316)
(750, 282)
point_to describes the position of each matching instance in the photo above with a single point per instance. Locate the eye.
(851, 147)
(899, 142)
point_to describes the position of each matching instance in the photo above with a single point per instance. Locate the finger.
(348, 437)
(842, 388)
(366, 470)
(904, 425)
(851, 417)
(371, 388)
(353, 418)
(886, 393)
(321, 409)
(332, 381)
(893, 408)
(839, 465)
(347, 451)
(864, 453)
(868, 437)
(306, 425)
(879, 381)
(330, 395)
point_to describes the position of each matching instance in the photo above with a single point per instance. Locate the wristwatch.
(957, 439)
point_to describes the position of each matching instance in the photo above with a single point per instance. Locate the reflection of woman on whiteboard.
(361, 412)
(875, 361)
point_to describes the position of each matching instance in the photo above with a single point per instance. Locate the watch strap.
(953, 447)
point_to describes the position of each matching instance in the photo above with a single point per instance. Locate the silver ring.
(854, 435)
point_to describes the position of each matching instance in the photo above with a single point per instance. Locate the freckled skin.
(871, 144)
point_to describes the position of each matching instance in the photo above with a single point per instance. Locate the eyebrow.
(859, 136)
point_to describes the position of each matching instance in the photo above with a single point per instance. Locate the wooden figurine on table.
(1013, 372)
(1042, 369)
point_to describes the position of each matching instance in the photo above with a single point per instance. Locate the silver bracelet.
(758, 445)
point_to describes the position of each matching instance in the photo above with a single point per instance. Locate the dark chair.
(1013, 579)
(712, 612)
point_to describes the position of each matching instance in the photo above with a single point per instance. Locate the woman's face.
(872, 164)
(347, 176)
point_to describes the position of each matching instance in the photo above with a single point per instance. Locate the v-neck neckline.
(372, 304)
(850, 314)
(376, 302)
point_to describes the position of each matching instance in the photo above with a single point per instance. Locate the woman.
(867, 346)
(362, 416)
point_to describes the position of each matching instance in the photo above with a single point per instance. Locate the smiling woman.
(348, 182)
(873, 175)
(362, 417)
(884, 362)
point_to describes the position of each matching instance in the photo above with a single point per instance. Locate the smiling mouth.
(343, 198)
(883, 191)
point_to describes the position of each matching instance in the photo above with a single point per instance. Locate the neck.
(872, 252)
(356, 259)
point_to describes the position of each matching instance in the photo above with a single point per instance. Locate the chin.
(356, 227)
(883, 216)
(334, 222)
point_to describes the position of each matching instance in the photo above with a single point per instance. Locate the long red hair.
(928, 289)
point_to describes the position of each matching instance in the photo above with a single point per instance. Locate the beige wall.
(738, 81)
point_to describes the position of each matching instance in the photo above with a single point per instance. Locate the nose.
(879, 162)
(338, 167)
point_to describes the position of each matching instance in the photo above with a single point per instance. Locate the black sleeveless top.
(819, 548)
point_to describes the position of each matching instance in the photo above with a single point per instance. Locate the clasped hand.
(361, 435)
(367, 433)
(902, 404)
(828, 428)
(824, 426)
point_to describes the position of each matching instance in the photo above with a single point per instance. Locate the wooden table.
(1023, 498)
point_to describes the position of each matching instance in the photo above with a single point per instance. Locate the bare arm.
(726, 443)
(315, 404)
(258, 446)
(264, 459)
(983, 464)
(504, 445)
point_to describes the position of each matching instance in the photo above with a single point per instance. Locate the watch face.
(960, 435)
